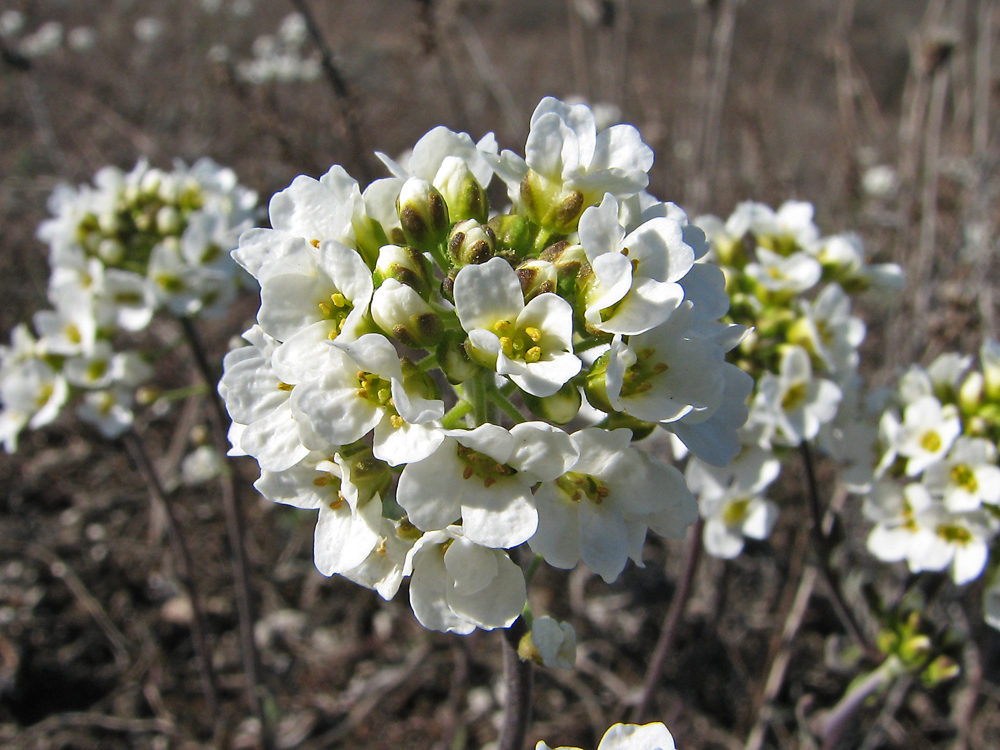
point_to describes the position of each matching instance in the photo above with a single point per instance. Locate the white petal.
(487, 293)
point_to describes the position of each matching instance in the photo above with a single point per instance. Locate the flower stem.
(184, 567)
(518, 679)
(428, 363)
(671, 622)
(455, 415)
(497, 398)
(477, 395)
(822, 542)
(832, 726)
(218, 419)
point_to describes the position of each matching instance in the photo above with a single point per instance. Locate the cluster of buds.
(935, 500)
(417, 355)
(792, 287)
(119, 250)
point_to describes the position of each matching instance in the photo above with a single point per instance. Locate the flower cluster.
(584, 298)
(279, 57)
(119, 250)
(793, 288)
(935, 501)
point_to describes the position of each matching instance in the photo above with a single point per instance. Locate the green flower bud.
(370, 237)
(471, 243)
(111, 251)
(417, 381)
(640, 429)
(465, 197)
(941, 669)
(572, 268)
(454, 360)
(370, 475)
(423, 214)
(561, 407)
(168, 220)
(550, 205)
(407, 266)
(537, 277)
(970, 394)
(401, 312)
(513, 234)
(595, 386)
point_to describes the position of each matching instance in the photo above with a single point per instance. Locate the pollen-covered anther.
(285, 386)
(533, 333)
(321, 481)
(314, 243)
(534, 354)
(489, 482)
(338, 299)
(467, 472)
(397, 421)
(325, 308)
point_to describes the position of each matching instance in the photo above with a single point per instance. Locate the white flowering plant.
(445, 382)
(119, 250)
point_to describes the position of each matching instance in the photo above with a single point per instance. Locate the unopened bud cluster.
(417, 353)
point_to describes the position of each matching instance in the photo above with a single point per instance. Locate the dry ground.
(793, 98)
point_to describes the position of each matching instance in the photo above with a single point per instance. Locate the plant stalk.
(518, 679)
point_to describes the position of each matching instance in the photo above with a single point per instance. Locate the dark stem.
(671, 622)
(824, 552)
(218, 419)
(348, 105)
(518, 676)
(184, 567)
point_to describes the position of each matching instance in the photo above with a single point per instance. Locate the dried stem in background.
(218, 419)
(184, 568)
(518, 676)
(824, 553)
(671, 622)
(349, 108)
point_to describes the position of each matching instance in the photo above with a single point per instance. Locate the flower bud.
(406, 265)
(465, 197)
(417, 381)
(536, 277)
(569, 260)
(370, 475)
(111, 251)
(550, 643)
(471, 243)
(595, 385)
(423, 214)
(168, 220)
(561, 407)
(550, 205)
(401, 312)
(454, 360)
(513, 235)
(370, 237)
(970, 394)
(941, 669)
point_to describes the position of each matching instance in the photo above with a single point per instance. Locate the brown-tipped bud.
(407, 266)
(550, 205)
(536, 277)
(561, 407)
(400, 311)
(513, 235)
(423, 214)
(471, 243)
(454, 360)
(570, 260)
(466, 198)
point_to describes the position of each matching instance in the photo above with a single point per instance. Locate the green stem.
(455, 415)
(588, 344)
(441, 258)
(498, 399)
(478, 397)
(428, 363)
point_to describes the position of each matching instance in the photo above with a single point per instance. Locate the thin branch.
(518, 679)
(824, 552)
(671, 622)
(218, 419)
(184, 568)
(348, 104)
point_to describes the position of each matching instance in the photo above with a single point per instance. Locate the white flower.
(793, 405)
(442, 153)
(599, 511)
(532, 344)
(629, 737)
(967, 477)
(201, 465)
(927, 433)
(784, 231)
(110, 411)
(790, 275)
(457, 585)
(832, 333)
(361, 388)
(731, 502)
(485, 476)
(666, 373)
(555, 642)
(716, 440)
(565, 148)
(636, 274)
(328, 287)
